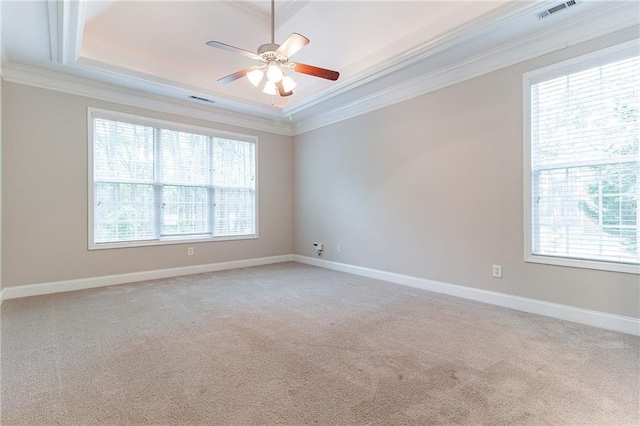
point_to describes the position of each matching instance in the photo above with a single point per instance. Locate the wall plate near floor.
(497, 271)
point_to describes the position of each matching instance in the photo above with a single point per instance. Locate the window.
(155, 182)
(582, 162)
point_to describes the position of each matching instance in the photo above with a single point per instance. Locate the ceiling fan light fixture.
(288, 83)
(274, 73)
(270, 88)
(255, 76)
(272, 57)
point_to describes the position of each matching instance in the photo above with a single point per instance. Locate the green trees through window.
(152, 184)
(585, 164)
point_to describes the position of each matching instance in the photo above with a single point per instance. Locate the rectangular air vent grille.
(197, 98)
(556, 8)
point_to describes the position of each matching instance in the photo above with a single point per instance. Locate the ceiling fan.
(273, 58)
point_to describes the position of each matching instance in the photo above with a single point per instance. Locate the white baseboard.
(85, 283)
(604, 320)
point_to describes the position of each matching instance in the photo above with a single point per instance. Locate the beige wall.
(45, 195)
(1, 84)
(433, 187)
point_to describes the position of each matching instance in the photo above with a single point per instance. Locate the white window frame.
(167, 125)
(591, 60)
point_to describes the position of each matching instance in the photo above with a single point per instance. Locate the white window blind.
(585, 164)
(163, 185)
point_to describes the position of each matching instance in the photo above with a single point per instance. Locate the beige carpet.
(293, 344)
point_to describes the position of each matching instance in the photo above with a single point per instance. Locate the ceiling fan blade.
(291, 45)
(280, 87)
(232, 49)
(234, 76)
(316, 71)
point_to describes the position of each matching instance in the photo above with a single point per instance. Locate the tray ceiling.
(159, 46)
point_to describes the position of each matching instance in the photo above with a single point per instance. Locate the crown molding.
(287, 10)
(50, 80)
(74, 29)
(104, 82)
(483, 24)
(66, 26)
(581, 29)
(55, 35)
(143, 82)
(284, 11)
(249, 9)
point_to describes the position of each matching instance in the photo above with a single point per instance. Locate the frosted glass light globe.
(274, 74)
(288, 83)
(255, 77)
(269, 88)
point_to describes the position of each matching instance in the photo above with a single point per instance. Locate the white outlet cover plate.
(497, 271)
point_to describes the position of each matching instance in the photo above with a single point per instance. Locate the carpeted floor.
(293, 344)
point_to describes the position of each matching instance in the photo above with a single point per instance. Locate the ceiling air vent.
(197, 98)
(557, 8)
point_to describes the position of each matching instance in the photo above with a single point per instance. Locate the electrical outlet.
(338, 248)
(190, 251)
(497, 271)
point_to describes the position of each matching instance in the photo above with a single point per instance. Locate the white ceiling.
(159, 46)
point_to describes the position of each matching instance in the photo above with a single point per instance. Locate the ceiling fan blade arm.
(234, 76)
(316, 71)
(291, 45)
(232, 49)
(280, 87)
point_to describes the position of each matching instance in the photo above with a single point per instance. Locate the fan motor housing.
(266, 48)
(268, 53)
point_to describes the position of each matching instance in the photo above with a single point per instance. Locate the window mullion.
(211, 190)
(157, 184)
(638, 212)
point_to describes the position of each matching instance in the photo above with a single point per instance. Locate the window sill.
(626, 268)
(168, 241)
